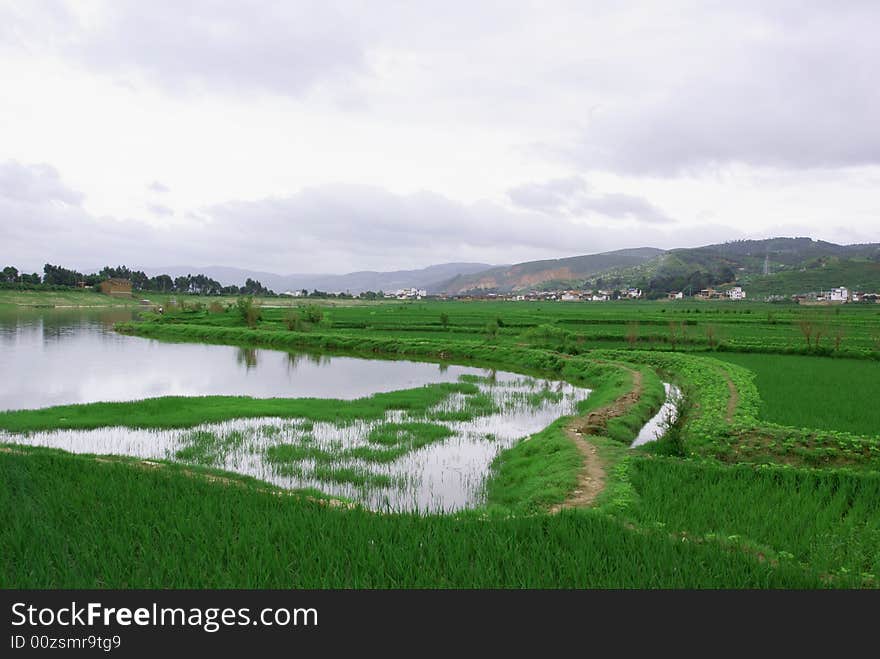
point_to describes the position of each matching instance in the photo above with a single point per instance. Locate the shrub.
(249, 310)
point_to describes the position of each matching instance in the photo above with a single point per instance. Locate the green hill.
(795, 265)
(818, 275)
(535, 274)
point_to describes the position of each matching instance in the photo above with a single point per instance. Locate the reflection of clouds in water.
(66, 358)
(656, 426)
(447, 475)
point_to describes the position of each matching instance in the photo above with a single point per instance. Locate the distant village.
(118, 287)
(840, 295)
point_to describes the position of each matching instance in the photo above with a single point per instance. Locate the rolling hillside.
(538, 274)
(794, 265)
(818, 275)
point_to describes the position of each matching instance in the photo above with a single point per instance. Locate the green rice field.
(766, 477)
(831, 394)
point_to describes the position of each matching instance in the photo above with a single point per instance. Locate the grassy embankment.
(69, 298)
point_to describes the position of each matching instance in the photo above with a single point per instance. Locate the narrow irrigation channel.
(657, 425)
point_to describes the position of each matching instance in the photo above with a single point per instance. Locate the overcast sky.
(334, 136)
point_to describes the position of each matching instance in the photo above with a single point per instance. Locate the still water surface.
(57, 357)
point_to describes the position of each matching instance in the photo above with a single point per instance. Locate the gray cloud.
(550, 196)
(622, 206)
(644, 89)
(330, 228)
(35, 184)
(571, 197)
(786, 85)
(159, 187)
(160, 210)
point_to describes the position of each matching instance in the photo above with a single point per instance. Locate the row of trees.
(55, 275)
(10, 275)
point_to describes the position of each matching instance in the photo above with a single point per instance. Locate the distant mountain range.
(775, 266)
(354, 282)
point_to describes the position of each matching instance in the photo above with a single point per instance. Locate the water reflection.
(657, 425)
(56, 357)
(247, 357)
(443, 476)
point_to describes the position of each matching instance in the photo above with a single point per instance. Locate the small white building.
(634, 293)
(675, 295)
(736, 293)
(410, 293)
(838, 294)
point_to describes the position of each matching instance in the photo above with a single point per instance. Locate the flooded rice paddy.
(434, 462)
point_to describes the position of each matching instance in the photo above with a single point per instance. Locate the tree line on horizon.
(58, 276)
(55, 276)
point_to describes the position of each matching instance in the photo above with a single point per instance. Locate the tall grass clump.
(248, 310)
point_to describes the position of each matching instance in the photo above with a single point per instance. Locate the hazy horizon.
(152, 269)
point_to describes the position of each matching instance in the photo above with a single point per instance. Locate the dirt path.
(591, 478)
(732, 397)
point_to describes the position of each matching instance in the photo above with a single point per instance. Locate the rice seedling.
(239, 536)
